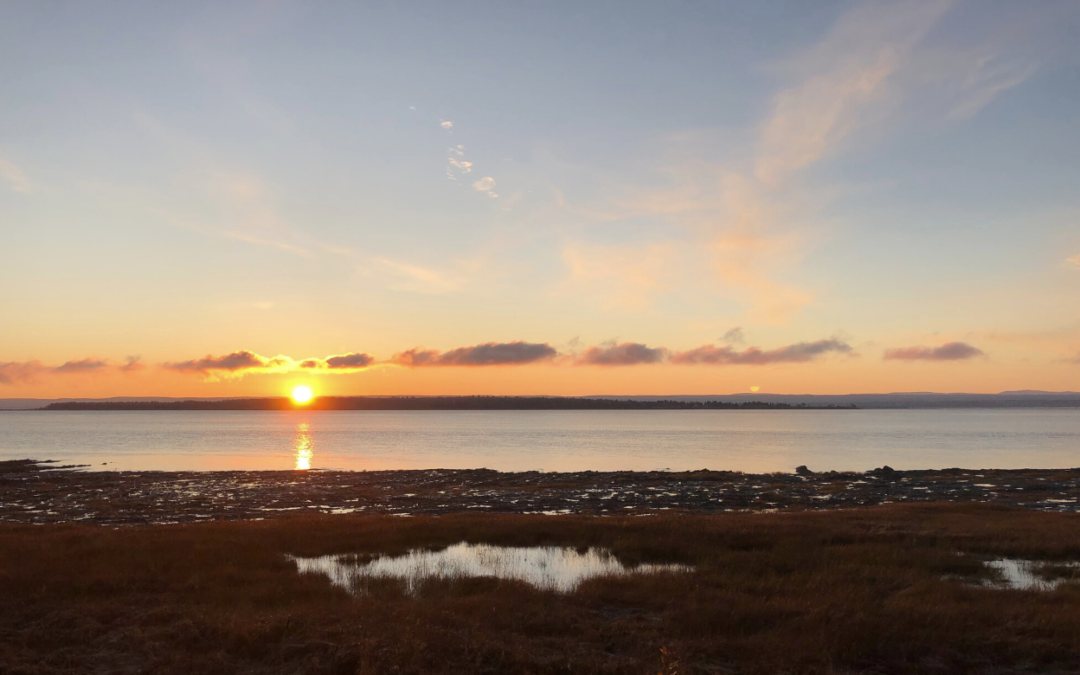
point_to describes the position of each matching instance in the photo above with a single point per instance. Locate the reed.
(867, 590)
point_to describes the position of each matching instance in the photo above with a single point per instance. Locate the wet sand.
(39, 492)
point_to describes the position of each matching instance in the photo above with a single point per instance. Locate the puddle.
(545, 567)
(1022, 574)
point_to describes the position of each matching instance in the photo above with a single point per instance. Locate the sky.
(562, 198)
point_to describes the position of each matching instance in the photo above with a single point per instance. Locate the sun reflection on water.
(303, 446)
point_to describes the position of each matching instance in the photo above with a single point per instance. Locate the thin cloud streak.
(799, 352)
(951, 351)
(849, 71)
(24, 372)
(14, 176)
(81, 366)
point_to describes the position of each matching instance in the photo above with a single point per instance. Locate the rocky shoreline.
(36, 492)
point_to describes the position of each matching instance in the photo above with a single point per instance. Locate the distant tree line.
(430, 403)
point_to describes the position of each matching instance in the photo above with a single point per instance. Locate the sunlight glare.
(303, 447)
(301, 394)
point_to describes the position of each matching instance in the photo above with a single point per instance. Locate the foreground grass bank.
(886, 589)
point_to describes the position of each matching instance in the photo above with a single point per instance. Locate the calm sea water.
(742, 440)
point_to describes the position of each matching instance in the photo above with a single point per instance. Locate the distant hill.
(921, 399)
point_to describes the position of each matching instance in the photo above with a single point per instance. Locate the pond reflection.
(1031, 575)
(552, 568)
(303, 446)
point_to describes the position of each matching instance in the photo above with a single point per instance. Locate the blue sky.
(309, 178)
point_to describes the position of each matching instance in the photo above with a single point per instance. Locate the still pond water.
(740, 440)
(552, 568)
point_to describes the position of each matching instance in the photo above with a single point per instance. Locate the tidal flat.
(42, 492)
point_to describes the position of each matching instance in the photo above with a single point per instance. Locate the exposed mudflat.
(40, 492)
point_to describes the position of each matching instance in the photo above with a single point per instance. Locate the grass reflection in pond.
(552, 568)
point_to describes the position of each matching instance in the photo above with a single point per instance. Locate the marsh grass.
(869, 590)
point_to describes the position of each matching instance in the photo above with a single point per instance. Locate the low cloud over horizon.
(487, 354)
(624, 354)
(243, 362)
(240, 363)
(21, 372)
(950, 351)
(797, 353)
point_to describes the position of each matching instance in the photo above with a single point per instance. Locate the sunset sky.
(571, 198)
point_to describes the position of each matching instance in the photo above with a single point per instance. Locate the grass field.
(888, 589)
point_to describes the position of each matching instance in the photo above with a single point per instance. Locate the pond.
(552, 568)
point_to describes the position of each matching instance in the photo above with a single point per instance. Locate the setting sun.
(301, 394)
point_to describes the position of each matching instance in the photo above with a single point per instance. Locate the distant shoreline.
(462, 403)
(753, 401)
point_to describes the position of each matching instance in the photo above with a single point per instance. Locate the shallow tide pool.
(552, 568)
(1024, 574)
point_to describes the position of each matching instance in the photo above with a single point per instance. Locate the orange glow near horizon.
(301, 394)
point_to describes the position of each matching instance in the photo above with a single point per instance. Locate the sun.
(301, 394)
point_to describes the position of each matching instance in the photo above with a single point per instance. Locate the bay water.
(574, 440)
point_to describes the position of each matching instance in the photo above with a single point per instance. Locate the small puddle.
(1024, 574)
(551, 568)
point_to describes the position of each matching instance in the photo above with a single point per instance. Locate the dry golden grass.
(808, 592)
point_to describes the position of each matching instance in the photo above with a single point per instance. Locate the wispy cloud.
(621, 354)
(487, 354)
(799, 352)
(625, 277)
(19, 372)
(756, 217)
(951, 351)
(1074, 261)
(81, 366)
(279, 245)
(343, 362)
(447, 124)
(14, 176)
(132, 364)
(843, 75)
(734, 336)
(486, 184)
(988, 77)
(23, 372)
(402, 276)
(457, 165)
